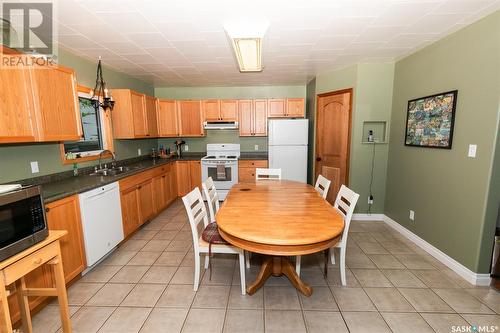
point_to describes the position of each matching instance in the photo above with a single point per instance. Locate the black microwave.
(22, 220)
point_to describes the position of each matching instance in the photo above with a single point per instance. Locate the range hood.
(220, 125)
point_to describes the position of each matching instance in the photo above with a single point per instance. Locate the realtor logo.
(28, 27)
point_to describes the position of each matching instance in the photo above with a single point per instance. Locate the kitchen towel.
(221, 172)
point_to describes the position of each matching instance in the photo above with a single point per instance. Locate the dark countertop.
(254, 156)
(66, 187)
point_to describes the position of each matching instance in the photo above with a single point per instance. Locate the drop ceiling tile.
(135, 22)
(336, 42)
(401, 14)
(378, 34)
(433, 23)
(465, 7)
(77, 42)
(148, 40)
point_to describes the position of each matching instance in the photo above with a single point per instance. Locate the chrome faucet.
(113, 157)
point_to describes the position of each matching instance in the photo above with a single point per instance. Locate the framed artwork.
(430, 119)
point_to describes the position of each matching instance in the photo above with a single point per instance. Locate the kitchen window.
(96, 128)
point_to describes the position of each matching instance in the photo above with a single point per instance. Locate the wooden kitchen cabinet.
(276, 107)
(56, 104)
(220, 110)
(195, 174)
(190, 118)
(130, 210)
(130, 115)
(168, 120)
(295, 107)
(145, 195)
(151, 116)
(246, 169)
(17, 113)
(64, 214)
(159, 193)
(211, 109)
(252, 117)
(183, 176)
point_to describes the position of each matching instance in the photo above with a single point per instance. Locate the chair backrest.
(322, 186)
(196, 212)
(345, 203)
(212, 197)
(267, 174)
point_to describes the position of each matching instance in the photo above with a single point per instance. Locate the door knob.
(318, 159)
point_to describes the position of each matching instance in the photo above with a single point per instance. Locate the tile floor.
(146, 285)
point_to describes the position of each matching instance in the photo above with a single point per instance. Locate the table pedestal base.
(278, 266)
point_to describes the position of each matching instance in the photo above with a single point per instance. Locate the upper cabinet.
(276, 107)
(286, 108)
(295, 107)
(151, 112)
(211, 109)
(253, 117)
(39, 105)
(190, 118)
(220, 110)
(168, 120)
(17, 113)
(134, 115)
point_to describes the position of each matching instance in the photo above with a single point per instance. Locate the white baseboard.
(368, 217)
(467, 274)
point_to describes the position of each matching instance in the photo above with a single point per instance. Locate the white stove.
(221, 163)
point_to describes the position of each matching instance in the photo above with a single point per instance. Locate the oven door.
(224, 175)
(20, 222)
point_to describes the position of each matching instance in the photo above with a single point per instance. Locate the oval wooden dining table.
(278, 218)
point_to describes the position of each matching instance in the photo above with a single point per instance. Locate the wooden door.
(130, 210)
(229, 110)
(260, 117)
(190, 118)
(211, 109)
(158, 193)
(151, 116)
(167, 118)
(146, 205)
(183, 177)
(295, 107)
(276, 107)
(139, 116)
(333, 137)
(17, 114)
(195, 174)
(56, 102)
(245, 117)
(64, 214)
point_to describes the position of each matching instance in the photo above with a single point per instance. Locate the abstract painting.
(429, 120)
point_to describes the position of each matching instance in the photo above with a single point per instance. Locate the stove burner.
(210, 157)
(232, 156)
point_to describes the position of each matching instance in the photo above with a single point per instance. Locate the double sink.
(114, 171)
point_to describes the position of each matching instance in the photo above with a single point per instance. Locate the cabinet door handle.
(139, 187)
(47, 209)
(37, 261)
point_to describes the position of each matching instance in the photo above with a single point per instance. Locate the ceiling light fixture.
(246, 40)
(100, 96)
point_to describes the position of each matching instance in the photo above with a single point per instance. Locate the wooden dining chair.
(267, 174)
(344, 203)
(212, 197)
(322, 186)
(197, 214)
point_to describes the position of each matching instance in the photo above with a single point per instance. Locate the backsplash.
(219, 136)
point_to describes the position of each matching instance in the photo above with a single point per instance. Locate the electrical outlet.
(34, 167)
(256, 147)
(139, 151)
(186, 148)
(370, 199)
(412, 215)
(472, 151)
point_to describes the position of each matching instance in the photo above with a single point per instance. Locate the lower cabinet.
(64, 214)
(246, 169)
(146, 194)
(188, 176)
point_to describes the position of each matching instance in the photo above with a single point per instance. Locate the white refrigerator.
(288, 148)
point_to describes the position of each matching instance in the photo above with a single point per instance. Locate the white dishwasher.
(102, 221)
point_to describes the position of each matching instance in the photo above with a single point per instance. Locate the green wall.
(227, 136)
(372, 86)
(447, 190)
(15, 159)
